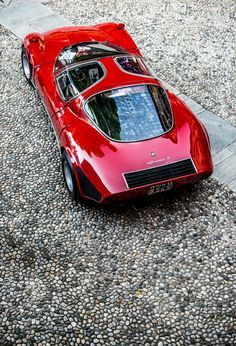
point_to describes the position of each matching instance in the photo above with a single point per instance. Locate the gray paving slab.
(225, 170)
(4, 3)
(221, 133)
(232, 147)
(221, 156)
(232, 185)
(22, 17)
(19, 11)
(41, 24)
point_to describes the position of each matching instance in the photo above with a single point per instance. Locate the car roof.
(115, 78)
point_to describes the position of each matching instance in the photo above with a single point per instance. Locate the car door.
(47, 88)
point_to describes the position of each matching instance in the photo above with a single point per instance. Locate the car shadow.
(160, 200)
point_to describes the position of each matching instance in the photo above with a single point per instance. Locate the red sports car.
(121, 134)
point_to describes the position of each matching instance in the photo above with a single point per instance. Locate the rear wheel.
(26, 66)
(69, 177)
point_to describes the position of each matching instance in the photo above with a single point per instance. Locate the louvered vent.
(157, 174)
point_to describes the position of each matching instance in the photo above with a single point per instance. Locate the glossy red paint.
(104, 161)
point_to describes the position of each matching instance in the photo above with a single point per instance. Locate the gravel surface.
(189, 43)
(153, 272)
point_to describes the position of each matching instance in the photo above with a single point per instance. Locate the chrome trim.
(158, 182)
(194, 165)
(97, 59)
(70, 68)
(134, 74)
(75, 64)
(123, 175)
(126, 86)
(26, 66)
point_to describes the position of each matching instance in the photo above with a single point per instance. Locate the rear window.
(77, 79)
(132, 113)
(133, 65)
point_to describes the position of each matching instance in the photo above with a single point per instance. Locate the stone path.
(24, 16)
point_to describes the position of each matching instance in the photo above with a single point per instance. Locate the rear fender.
(66, 146)
(81, 166)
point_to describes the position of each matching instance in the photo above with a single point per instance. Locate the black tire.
(26, 66)
(69, 177)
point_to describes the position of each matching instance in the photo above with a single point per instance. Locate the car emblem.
(153, 154)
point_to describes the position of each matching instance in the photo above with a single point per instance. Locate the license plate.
(160, 188)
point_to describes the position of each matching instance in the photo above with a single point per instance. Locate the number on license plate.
(160, 188)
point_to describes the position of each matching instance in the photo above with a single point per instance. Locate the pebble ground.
(151, 272)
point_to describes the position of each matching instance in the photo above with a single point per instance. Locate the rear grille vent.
(157, 174)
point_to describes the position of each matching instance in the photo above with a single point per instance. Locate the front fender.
(34, 45)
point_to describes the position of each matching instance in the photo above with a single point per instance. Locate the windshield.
(85, 51)
(131, 113)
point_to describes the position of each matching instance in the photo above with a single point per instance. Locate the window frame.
(127, 86)
(71, 67)
(152, 73)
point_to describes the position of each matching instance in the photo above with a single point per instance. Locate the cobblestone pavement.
(151, 272)
(189, 43)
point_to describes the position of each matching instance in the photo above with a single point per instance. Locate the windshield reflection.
(131, 113)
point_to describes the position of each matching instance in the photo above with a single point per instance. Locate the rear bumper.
(137, 184)
(143, 190)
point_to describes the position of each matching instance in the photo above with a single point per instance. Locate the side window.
(77, 79)
(66, 88)
(133, 65)
(83, 76)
